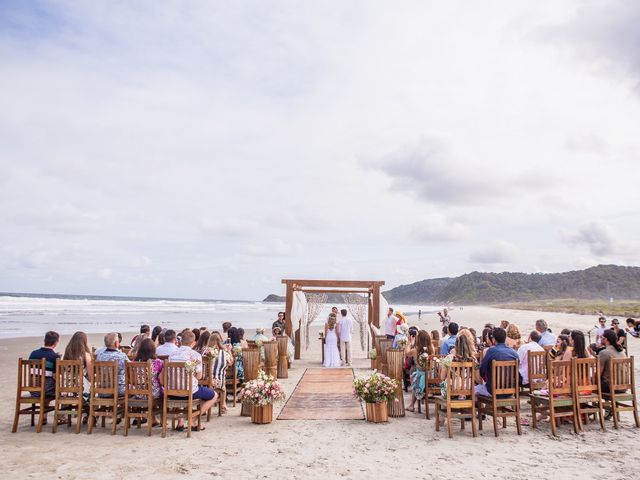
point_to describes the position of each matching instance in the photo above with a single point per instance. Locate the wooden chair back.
(537, 369)
(460, 380)
(69, 389)
(31, 376)
(587, 376)
(125, 349)
(178, 382)
(560, 377)
(621, 374)
(104, 379)
(163, 357)
(139, 379)
(548, 348)
(505, 378)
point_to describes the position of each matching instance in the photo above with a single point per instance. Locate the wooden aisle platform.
(323, 394)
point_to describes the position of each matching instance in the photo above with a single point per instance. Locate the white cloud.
(499, 252)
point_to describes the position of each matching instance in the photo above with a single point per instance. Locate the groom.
(346, 329)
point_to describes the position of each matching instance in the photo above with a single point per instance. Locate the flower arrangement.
(375, 388)
(423, 359)
(265, 390)
(402, 342)
(191, 365)
(373, 354)
(237, 350)
(259, 343)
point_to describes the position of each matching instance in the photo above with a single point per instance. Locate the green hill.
(600, 282)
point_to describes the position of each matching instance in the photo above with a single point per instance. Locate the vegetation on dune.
(619, 308)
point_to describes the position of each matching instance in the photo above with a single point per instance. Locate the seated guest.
(112, 352)
(523, 355)
(487, 337)
(155, 335)
(565, 331)
(401, 336)
(500, 352)
(611, 350)
(207, 396)
(236, 345)
(560, 348)
(145, 332)
(633, 327)
(462, 351)
(146, 353)
(196, 332)
(504, 324)
(170, 343)
(47, 352)
(202, 344)
(546, 337)
(577, 346)
(78, 349)
(435, 340)
(450, 342)
(514, 339)
(243, 342)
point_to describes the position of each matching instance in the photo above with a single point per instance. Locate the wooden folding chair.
(138, 396)
(31, 380)
(207, 381)
(622, 390)
(163, 357)
(558, 401)
(69, 388)
(178, 396)
(432, 382)
(588, 398)
(505, 401)
(537, 370)
(104, 401)
(460, 401)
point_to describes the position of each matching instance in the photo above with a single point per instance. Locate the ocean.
(23, 315)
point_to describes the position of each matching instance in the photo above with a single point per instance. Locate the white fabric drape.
(357, 306)
(298, 310)
(315, 304)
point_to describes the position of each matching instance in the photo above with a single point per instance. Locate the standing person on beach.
(279, 323)
(445, 319)
(345, 325)
(390, 324)
(47, 352)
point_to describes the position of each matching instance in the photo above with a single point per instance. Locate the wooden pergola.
(369, 287)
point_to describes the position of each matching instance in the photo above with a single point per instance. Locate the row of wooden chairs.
(104, 400)
(568, 389)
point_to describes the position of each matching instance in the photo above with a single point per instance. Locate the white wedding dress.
(331, 352)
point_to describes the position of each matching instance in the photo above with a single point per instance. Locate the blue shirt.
(448, 345)
(498, 352)
(547, 338)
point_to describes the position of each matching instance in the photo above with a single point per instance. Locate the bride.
(331, 352)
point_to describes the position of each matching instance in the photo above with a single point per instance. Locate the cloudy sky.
(210, 149)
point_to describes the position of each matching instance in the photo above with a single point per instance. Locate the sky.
(210, 149)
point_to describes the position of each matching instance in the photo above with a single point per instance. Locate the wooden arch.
(369, 287)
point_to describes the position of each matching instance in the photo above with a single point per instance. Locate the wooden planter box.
(377, 412)
(373, 364)
(262, 414)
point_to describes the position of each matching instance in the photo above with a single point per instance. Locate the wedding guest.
(196, 333)
(185, 353)
(487, 337)
(145, 332)
(599, 331)
(402, 320)
(504, 324)
(546, 337)
(445, 319)
(514, 339)
(260, 338)
(621, 334)
(612, 349)
(147, 353)
(577, 346)
(401, 336)
(523, 354)
(476, 340)
(419, 350)
(559, 349)
(112, 352)
(78, 349)
(225, 328)
(236, 345)
(222, 358)
(279, 323)
(390, 324)
(170, 344)
(462, 351)
(633, 327)
(243, 342)
(500, 352)
(203, 342)
(155, 334)
(435, 339)
(450, 342)
(47, 352)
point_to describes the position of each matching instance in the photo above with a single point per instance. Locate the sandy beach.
(232, 447)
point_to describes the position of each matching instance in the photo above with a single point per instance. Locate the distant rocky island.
(596, 283)
(273, 298)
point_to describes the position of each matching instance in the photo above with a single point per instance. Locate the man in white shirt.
(169, 346)
(345, 325)
(523, 353)
(390, 325)
(599, 330)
